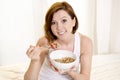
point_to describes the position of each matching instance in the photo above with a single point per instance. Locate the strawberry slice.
(53, 45)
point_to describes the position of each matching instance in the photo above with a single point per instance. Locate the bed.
(104, 67)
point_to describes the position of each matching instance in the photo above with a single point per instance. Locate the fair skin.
(61, 26)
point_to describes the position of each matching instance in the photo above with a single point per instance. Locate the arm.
(37, 55)
(85, 60)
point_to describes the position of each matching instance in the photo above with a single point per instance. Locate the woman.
(60, 28)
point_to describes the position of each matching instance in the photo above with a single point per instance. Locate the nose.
(59, 26)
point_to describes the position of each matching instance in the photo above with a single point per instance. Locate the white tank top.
(47, 73)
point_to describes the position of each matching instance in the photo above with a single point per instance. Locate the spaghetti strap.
(46, 72)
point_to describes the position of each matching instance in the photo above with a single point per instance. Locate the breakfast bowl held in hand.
(62, 59)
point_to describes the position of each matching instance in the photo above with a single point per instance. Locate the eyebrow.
(61, 18)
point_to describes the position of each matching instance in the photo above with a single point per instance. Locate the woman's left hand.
(60, 71)
(67, 70)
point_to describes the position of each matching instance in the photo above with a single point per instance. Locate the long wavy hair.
(49, 15)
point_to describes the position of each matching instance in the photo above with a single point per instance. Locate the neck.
(67, 43)
(67, 40)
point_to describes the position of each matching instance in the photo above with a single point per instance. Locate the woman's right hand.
(34, 52)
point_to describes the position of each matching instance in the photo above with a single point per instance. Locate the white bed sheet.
(104, 67)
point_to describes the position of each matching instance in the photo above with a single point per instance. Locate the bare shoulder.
(42, 41)
(86, 44)
(85, 39)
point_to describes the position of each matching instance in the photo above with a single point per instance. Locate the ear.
(74, 21)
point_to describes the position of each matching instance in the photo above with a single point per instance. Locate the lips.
(61, 32)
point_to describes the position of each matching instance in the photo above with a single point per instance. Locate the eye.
(64, 20)
(53, 23)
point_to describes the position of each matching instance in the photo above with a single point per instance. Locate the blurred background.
(21, 25)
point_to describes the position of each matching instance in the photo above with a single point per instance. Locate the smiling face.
(62, 24)
(59, 21)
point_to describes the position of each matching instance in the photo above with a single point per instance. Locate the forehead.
(60, 14)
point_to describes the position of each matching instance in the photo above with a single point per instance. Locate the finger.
(31, 48)
(73, 67)
(36, 52)
(62, 71)
(30, 55)
(54, 68)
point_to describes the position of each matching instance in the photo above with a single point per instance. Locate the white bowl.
(58, 54)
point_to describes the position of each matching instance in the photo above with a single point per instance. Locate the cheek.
(53, 29)
(70, 27)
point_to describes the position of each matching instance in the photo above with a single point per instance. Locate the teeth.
(61, 32)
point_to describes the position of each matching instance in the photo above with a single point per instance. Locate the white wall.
(21, 24)
(108, 26)
(40, 8)
(103, 18)
(115, 27)
(16, 30)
